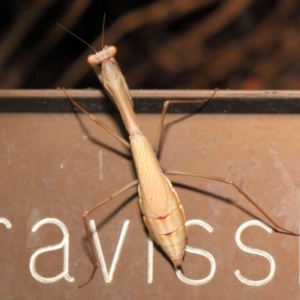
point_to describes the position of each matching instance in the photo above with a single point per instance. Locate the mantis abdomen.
(163, 214)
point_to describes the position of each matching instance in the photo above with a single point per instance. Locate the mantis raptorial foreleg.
(97, 121)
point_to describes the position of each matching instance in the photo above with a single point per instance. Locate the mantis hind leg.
(277, 227)
(88, 212)
(87, 229)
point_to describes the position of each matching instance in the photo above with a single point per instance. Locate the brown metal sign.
(55, 166)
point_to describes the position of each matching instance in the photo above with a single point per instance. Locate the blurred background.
(167, 44)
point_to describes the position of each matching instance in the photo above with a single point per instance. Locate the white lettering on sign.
(108, 276)
(63, 244)
(299, 255)
(259, 252)
(199, 252)
(150, 259)
(5, 222)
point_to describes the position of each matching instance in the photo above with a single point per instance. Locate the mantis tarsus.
(163, 214)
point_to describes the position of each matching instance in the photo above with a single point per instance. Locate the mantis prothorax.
(160, 205)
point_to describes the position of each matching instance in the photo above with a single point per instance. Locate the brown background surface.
(49, 168)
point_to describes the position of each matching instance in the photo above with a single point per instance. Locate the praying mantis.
(163, 214)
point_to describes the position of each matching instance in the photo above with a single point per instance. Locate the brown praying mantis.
(160, 205)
